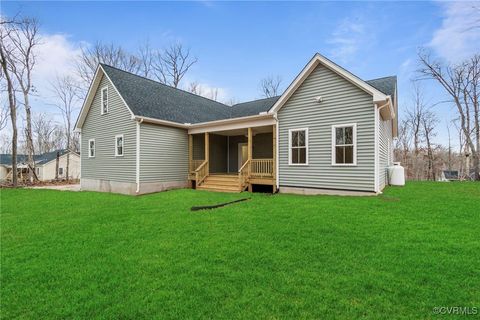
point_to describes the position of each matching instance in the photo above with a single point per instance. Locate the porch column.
(274, 165)
(207, 151)
(250, 154)
(190, 153)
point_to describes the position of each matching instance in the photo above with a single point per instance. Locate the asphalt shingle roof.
(6, 159)
(253, 107)
(386, 85)
(152, 99)
(149, 98)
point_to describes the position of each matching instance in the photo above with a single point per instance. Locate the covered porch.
(233, 160)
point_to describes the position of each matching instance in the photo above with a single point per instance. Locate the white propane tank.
(396, 174)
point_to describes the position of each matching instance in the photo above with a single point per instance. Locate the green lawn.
(95, 255)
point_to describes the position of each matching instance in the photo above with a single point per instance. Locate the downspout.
(137, 169)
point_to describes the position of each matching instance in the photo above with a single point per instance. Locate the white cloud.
(55, 56)
(459, 35)
(348, 38)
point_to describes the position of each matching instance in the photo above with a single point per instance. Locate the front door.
(242, 154)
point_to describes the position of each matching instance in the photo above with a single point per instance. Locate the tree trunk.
(30, 149)
(57, 163)
(13, 113)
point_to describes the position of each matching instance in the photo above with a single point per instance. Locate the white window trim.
(123, 145)
(94, 148)
(290, 147)
(335, 126)
(101, 100)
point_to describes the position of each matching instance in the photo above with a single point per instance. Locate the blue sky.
(238, 43)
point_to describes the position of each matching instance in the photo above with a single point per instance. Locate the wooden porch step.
(220, 183)
(218, 188)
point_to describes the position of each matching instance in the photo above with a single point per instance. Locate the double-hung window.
(104, 100)
(344, 145)
(91, 148)
(298, 146)
(119, 145)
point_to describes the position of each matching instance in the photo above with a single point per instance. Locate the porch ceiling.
(244, 131)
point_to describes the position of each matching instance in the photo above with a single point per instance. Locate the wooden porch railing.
(194, 164)
(261, 168)
(201, 172)
(243, 175)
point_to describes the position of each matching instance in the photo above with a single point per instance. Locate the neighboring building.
(329, 130)
(45, 165)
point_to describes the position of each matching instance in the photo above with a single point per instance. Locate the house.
(330, 131)
(45, 165)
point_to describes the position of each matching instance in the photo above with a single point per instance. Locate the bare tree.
(428, 123)
(110, 54)
(24, 39)
(43, 129)
(6, 74)
(146, 57)
(270, 86)
(66, 93)
(462, 83)
(414, 119)
(4, 114)
(171, 65)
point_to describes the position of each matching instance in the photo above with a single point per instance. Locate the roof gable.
(317, 59)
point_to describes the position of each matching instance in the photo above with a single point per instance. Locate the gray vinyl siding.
(384, 152)
(103, 128)
(163, 153)
(343, 103)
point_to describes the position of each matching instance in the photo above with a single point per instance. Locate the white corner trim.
(123, 145)
(102, 89)
(376, 165)
(137, 157)
(333, 144)
(290, 163)
(94, 148)
(311, 65)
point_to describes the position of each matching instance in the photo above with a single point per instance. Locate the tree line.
(414, 147)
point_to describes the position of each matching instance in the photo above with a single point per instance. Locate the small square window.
(60, 171)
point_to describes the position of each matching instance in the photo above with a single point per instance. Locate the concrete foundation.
(150, 187)
(129, 188)
(313, 191)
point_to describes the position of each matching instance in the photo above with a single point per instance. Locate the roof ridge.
(394, 76)
(257, 100)
(163, 84)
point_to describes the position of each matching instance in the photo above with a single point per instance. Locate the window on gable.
(104, 98)
(119, 145)
(60, 171)
(298, 149)
(344, 144)
(91, 148)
